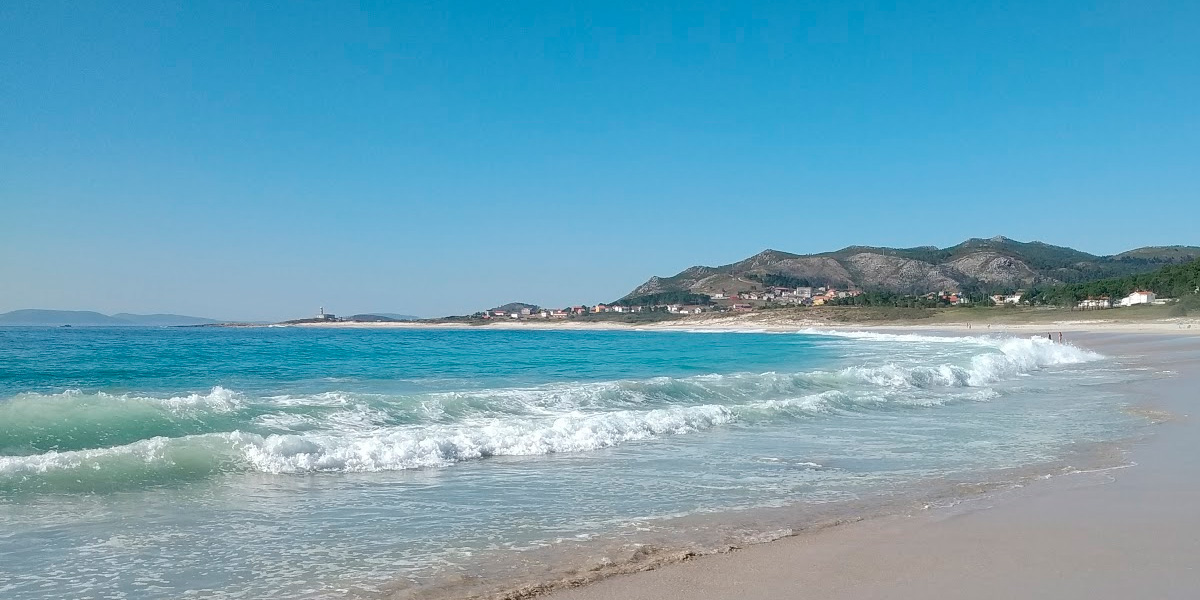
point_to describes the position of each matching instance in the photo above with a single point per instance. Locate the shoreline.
(770, 323)
(936, 499)
(1113, 531)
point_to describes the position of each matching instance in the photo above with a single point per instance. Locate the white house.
(1007, 298)
(1095, 303)
(1138, 297)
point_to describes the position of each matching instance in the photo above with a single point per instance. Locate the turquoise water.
(284, 462)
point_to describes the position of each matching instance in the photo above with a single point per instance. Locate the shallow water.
(279, 462)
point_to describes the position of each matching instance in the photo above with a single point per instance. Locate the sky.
(259, 160)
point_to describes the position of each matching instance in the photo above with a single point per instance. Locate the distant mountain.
(997, 264)
(381, 318)
(34, 316)
(163, 320)
(392, 316)
(87, 318)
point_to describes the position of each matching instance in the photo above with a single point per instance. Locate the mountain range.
(976, 265)
(87, 318)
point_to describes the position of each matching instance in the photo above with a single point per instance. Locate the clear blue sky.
(254, 161)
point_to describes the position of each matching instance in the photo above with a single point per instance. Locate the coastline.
(769, 322)
(1124, 529)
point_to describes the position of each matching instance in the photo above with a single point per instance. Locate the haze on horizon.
(255, 162)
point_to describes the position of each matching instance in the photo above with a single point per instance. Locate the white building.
(1138, 297)
(1007, 298)
(1095, 304)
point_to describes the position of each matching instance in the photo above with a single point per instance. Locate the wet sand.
(1131, 532)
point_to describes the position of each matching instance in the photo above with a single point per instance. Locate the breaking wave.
(93, 442)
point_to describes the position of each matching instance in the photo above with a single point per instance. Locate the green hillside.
(1173, 281)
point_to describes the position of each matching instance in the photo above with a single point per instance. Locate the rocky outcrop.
(877, 271)
(998, 270)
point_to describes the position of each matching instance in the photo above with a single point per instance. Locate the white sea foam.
(411, 448)
(381, 450)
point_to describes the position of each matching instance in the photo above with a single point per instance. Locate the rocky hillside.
(995, 264)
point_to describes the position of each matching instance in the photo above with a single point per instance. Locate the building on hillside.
(742, 307)
(1137, 297)
(558, 314)
(525, 312)
(803, 292)
(720, 295)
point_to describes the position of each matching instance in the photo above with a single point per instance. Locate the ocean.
(331, 463)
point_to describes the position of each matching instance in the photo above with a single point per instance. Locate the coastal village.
(778, 297)
(719, 303)
(772, 297)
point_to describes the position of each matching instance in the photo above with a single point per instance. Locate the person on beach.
(1060, 337)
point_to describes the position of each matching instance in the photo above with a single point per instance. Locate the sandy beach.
(1125, 532)
(983, 323)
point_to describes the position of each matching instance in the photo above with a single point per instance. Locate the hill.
(1173, 281)
(976, 265)
(163, 320)
(393, 316)
(32, 317)
(381, 318)
(516, 307)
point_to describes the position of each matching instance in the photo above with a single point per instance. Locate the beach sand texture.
(1123, 533)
